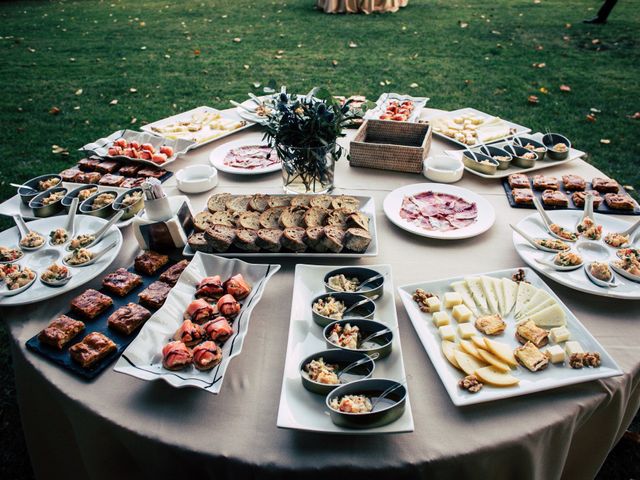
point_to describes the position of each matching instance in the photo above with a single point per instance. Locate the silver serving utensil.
(5, 292)
(546, 220)
(357, 363)
(386, 393)
(560, 268)
(532, 241)
(356, 305)
(101, 233)
(19, 185)
(24, 230)
(243, 107)
(95, 257)
(379, 333)
(600, 283)
(368, 281)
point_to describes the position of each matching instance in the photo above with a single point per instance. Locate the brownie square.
(155, 294)
(129, 170)
(172, 274)
(91, 303)
(108, 166)
(88, 177)
(110, 180)
(92, 348)
(128, 317)
(580, 197)
(132, 182)
(70, 174)
(121, 282)
(554, 198)
(152, 172)
(60, 331)
(605, 185)
(540, 182)
(619, 201)
(149, 262)
(518, 180)
(88, 164)
(574, 183)
(522, 196)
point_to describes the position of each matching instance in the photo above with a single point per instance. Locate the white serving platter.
(517, 129)
(546, 163)
(590, 250)
(40, 259)
(367, 206)
(554, 376)
(217, 156)
(300, 409)
(381, 103)
(143, 359)
(486, 214)
(202, 137)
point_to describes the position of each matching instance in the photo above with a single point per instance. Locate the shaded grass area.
(157, 58)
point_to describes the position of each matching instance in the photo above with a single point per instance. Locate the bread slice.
(338, 218)
(250, 220)
(198, 243)
(269, 239)
(222, 218)
(238, 203)
(345, 202)
(280, 201)
(357, 239)
(246, 240)
(293, 217)
(358, 220)
(301, 201)
(259, 202)
(333, 239)
(293, 239)
(315, 239)
(217, 202)
(270, 218)
(316, 217)
(201, 221)
(220, 237)
(323, 201)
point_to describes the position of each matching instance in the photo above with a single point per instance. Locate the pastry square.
(518, 180)
(522, 196)
(540, 182)
(108, 166)
(128, 317)
(530, 332)
(573, 183)
(132, 182)
(605, 185)
(491, 324)
(155, 294)
(152, 172)
(579, 198)
(91, 303)
(554, 198)
(530, 357)
(70, 174)
(60, 331)
(88, 164)
(172, 274)
(111, 180)
(129, 170)
(88, 177)
(92, 348)
(121, 282)
(619, 201)
(149, 262)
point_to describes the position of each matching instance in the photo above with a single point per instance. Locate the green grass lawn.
(157, 58)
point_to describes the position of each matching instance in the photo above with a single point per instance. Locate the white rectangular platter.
(143, 358)
(302, 410)
(554, 376)
(546, 163)
(385, 98)
(367, 206)
(202, 137)
(514, 127)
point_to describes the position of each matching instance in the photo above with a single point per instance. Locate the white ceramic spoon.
(622, 272)
(101, 233)
(94, 257)
(70, 227)
(548, 222)
(555, 266)
(628, 232)
(5, 292)
(533, 243)
(24, 230)
(611, 283)
(57, 283)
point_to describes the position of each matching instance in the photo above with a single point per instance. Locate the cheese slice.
(510, 290)
(538, 298)
(497, 286)
(475, 287)
(552, 316)
(489, 290)
(540, 306)
(525, 292)
(467, 299)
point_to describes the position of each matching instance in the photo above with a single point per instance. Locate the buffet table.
(120, 427)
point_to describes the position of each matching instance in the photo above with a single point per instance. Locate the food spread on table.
(438, 211)
(251, 157)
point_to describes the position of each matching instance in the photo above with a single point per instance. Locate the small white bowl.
(443, 169)
(197, 178)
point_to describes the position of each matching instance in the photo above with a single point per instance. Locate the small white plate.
(484, 220)
(217, 156)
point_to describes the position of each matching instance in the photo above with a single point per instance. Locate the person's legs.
(603, 13)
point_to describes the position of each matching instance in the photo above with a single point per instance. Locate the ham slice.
(251, 157)
(438, 211)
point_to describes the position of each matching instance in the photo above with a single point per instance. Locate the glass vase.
(307, 170)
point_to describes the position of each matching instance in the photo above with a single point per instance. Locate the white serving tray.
(302, 410)
(367, 206)
(382, 101)
(553, 376)
(143, 358)
(590, 250)
(200, 138)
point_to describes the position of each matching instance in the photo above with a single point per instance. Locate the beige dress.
(364, 6)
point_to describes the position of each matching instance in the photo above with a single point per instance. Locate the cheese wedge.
(447, 349)
(525, 292)
(552, 316)
(489, 290)
(475, 287)
(537, 308)
(467, 363)
(467, 299)
(538, 298)
(510, 291)
(501, 350)
(497, 287)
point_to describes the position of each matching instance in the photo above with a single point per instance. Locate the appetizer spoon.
(368, 281)
(532, 241)
(70, 227)
(629, 231)
(5, 292)
(588, 210)
(560, 268)
(94, 258)
(24, 230)
(546, 220)
(357, 363)
(356, 305)
(57, 283)
(379, 333)
(622, 272)
(18, 185)
(101, 233)
(386, 393)
(611, 283)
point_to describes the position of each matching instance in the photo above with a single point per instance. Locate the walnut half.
(471, 383)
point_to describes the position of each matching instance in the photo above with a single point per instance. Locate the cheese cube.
(451, 299)
(572, 347)
(447, 333)
(461, 313)
(466, 330)
(440, 319)
(559, 334)
(555, 354)
(433, 304)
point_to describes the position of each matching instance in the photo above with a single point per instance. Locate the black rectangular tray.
(99, 324)
(603, 208)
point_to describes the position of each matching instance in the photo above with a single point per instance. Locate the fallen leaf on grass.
(277, 57)
(565, 88)
(143, 48)
(133, 120)
(532, 99)
(237, 40)
(58, 150)
(605, 141)
(256, 84)
(538, 65)
(635, 116)
(196, 52)
(567, 25)
(414, 85)
(595, 110)
(539, 47)
(79, 91)
(544, 90)
(334, 63)
(591, 118)
(566, 38)
(133, 90)
(595, 41)
(353, 44)
(629, 188)
(113, 102)
(280, 52)
(54, 110)
(463, 24)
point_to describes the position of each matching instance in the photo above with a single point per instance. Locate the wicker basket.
(388, 145)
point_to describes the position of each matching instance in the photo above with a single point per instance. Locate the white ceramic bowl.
(443, 169)
(196, 178)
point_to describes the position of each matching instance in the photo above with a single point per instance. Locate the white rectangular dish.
(553, 376)
(143, 358)
(206, 134)
(385, 98)
(302, 410)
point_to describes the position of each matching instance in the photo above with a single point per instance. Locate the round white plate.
(40, 259)
(217, 158)
(484, 221)
(588, 249)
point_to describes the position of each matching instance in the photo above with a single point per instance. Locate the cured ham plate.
(441, 211)
(249, 156)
